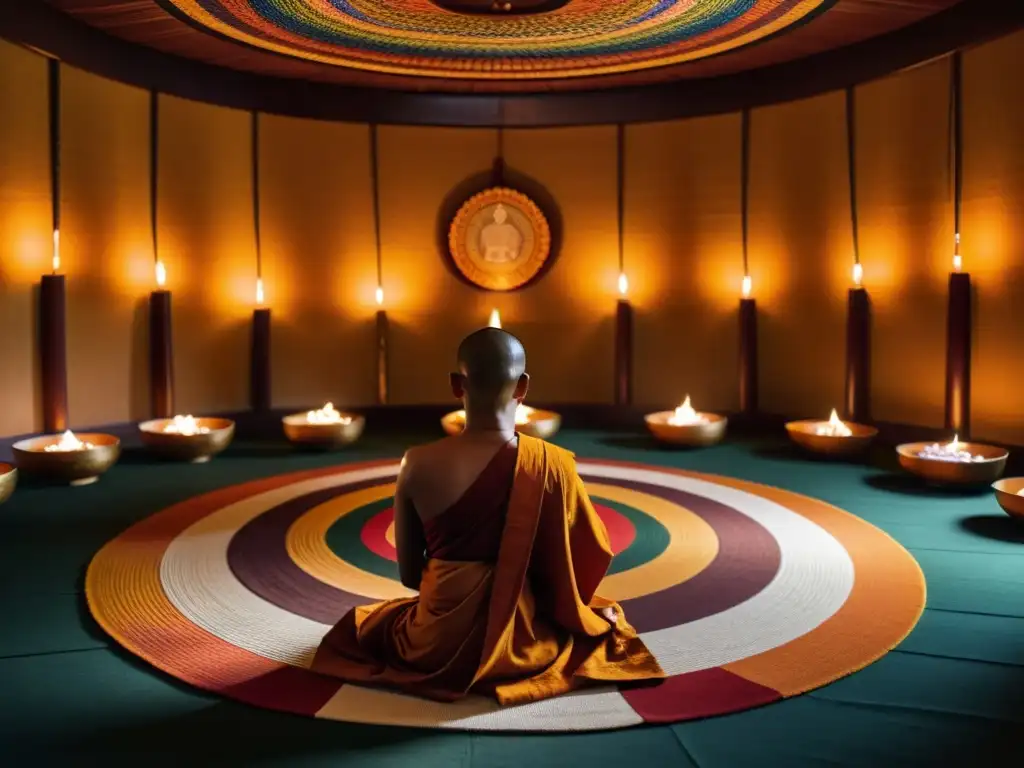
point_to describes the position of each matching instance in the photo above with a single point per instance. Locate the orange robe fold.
(522, 627)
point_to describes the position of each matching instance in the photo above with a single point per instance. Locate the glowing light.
(379, 296)
(623, 284)
(958, 260)
(494, 321)
(858, 275)
(685, 415)
(834, 427)
(56, 251)
(327, 415)
(185, 425)
(523, 414)
(746, 287)
(259, 291)
(951, 451)
(161, 274)
(68, 442)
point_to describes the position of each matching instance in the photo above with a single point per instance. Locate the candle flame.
(685, 415)
(327, 415)
(834, 427)
(858, 274)
(56, 251)
(954, 444)
(259, 291)
(68, 442)
(161, 274)
(623, 284)
(494, 321)
(958, 261)
(186, 426)
(746, 287)
(379, 296)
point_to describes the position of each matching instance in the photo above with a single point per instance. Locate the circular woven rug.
(746, 594)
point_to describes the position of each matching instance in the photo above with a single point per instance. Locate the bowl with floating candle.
(834, 437)
(686, 426)
(187, 438)
(953, 463)
(1010, 495)
(8, 481)
(325, 427)
(67, 458)
(534, 422)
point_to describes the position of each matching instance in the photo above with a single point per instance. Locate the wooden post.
(858, 356)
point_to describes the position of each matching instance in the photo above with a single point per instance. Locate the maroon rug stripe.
(747, 560)
(697, 694)
(289, 689)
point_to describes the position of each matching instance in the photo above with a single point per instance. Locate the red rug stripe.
(621, 532)
(697, 694)
(288, 689)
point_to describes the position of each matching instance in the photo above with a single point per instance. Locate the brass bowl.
(195, 448)
(804, 434)
(1008, 498)
(72, 467)
(8, 480)
(337, 435)
(540, 424)
(955, 472)
(707, 433)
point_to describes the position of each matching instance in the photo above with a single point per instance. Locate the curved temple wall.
(681, 244)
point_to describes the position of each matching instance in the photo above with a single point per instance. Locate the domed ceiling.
(498, 45)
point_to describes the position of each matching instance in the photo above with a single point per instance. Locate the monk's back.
(461, 494)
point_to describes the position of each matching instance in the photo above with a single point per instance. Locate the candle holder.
(325, 428)
(685, 426)
(8, 481)
(1010, 495)
(953, 463)
(161, 354)
(833, 437)
(67, 458)
(185, 438)
(52, 350)
(532, 422)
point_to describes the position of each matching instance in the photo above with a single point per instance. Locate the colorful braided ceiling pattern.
(418, 38)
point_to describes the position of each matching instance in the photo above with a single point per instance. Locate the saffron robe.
(507, 604)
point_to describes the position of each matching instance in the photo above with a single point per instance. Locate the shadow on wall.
(499, 176)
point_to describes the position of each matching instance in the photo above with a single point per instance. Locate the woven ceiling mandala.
(573, 39)
(746, 594)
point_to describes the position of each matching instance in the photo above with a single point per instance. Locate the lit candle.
(958, 261)
(185, 426)
(834, 427)
(259, 291)
(746, 287)
(494, 321)
(161, 353)
(685, 415)
(161, 274)
(952, 451)
(379, 296)
(56, 251)
(68, 442)
(327, 415)
(858, 275)
(623, 284)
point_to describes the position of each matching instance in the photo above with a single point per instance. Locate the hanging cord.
(620, 171)
(256, 192)
(154, 151)
(745, 187)
(851, 156)
(54, 94)
(498, 169)
(956, 137)
(374, 183)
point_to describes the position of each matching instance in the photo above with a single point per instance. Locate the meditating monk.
(497, 534)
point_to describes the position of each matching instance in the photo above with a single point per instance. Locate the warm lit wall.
(682, 242)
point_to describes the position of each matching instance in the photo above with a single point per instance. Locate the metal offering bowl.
(8, 481)
(954, 472)
(705, 433)
(1008, 497)
(540, 424)
(804, 434)
(300, 431)
(74, 467)
(195, 448)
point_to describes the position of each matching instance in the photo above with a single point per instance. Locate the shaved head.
(492, 362)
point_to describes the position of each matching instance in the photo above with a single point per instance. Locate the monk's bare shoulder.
(421, 459)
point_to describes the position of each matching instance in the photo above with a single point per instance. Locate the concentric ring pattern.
(747, 594)
(417, 38)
